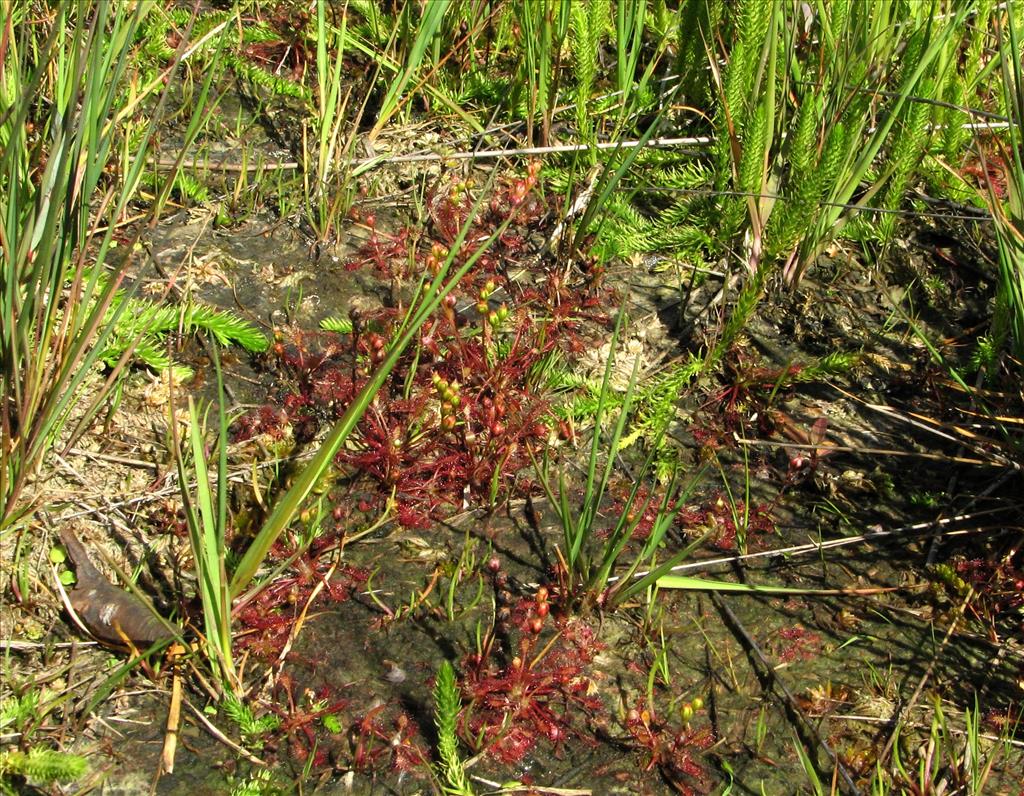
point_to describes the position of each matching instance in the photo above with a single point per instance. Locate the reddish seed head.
(542, 594)
(371, 220)
(494, 564)
(542, 609)
(536, 624)
(497, 429)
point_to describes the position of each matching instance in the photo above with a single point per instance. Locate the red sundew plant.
(988, 168)
(379, 742)
(386, 254)
(319, 371)
(644, 505)
(450, 204)
(465, 426)
(401, 255)
(747, 383)
(998, 586)
(459, 415)
(302, 719)
(1006, 722)
(291, 52)
(513, 707)
(535, 697)
(718, 515)
(569, 309)
(169, 517)
(795, 643)
(269, 618)
(744, 392)
(267, 420)
(670, 749)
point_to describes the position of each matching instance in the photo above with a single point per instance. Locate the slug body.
(113, 615)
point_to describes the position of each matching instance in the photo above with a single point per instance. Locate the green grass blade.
(702, 584)
(429, 25)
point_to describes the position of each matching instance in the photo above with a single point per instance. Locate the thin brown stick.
(173, 714)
